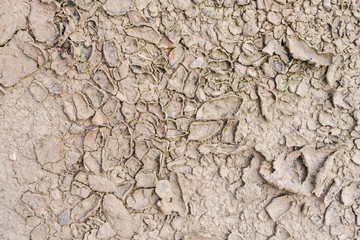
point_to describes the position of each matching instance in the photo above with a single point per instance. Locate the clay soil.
(179, 119)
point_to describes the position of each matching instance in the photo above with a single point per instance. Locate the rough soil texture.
(179, 119)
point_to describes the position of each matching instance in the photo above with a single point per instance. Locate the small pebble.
(64, 217)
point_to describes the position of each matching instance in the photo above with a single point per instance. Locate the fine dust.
(179, 119)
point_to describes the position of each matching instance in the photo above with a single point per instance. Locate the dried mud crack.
(179, 119)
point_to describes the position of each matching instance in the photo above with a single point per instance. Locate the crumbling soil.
(179, 119)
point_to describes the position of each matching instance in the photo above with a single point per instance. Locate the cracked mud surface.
(179, 119)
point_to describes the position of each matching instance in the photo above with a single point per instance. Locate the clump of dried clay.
(299, 49)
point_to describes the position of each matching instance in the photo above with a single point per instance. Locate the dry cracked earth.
(179, 119)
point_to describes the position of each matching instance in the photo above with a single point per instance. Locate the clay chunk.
(117, 7)
(219, 108)
(118, 216)
(279, 206)
(49, 149)
(299, 49)
(14, 63)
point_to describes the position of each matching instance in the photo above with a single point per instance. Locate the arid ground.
(179, 119)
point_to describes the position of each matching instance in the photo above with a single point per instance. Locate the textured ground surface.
(179, 119)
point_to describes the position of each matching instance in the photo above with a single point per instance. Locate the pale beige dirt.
(179, 119)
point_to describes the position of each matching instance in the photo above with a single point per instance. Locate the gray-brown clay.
(179, 119)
